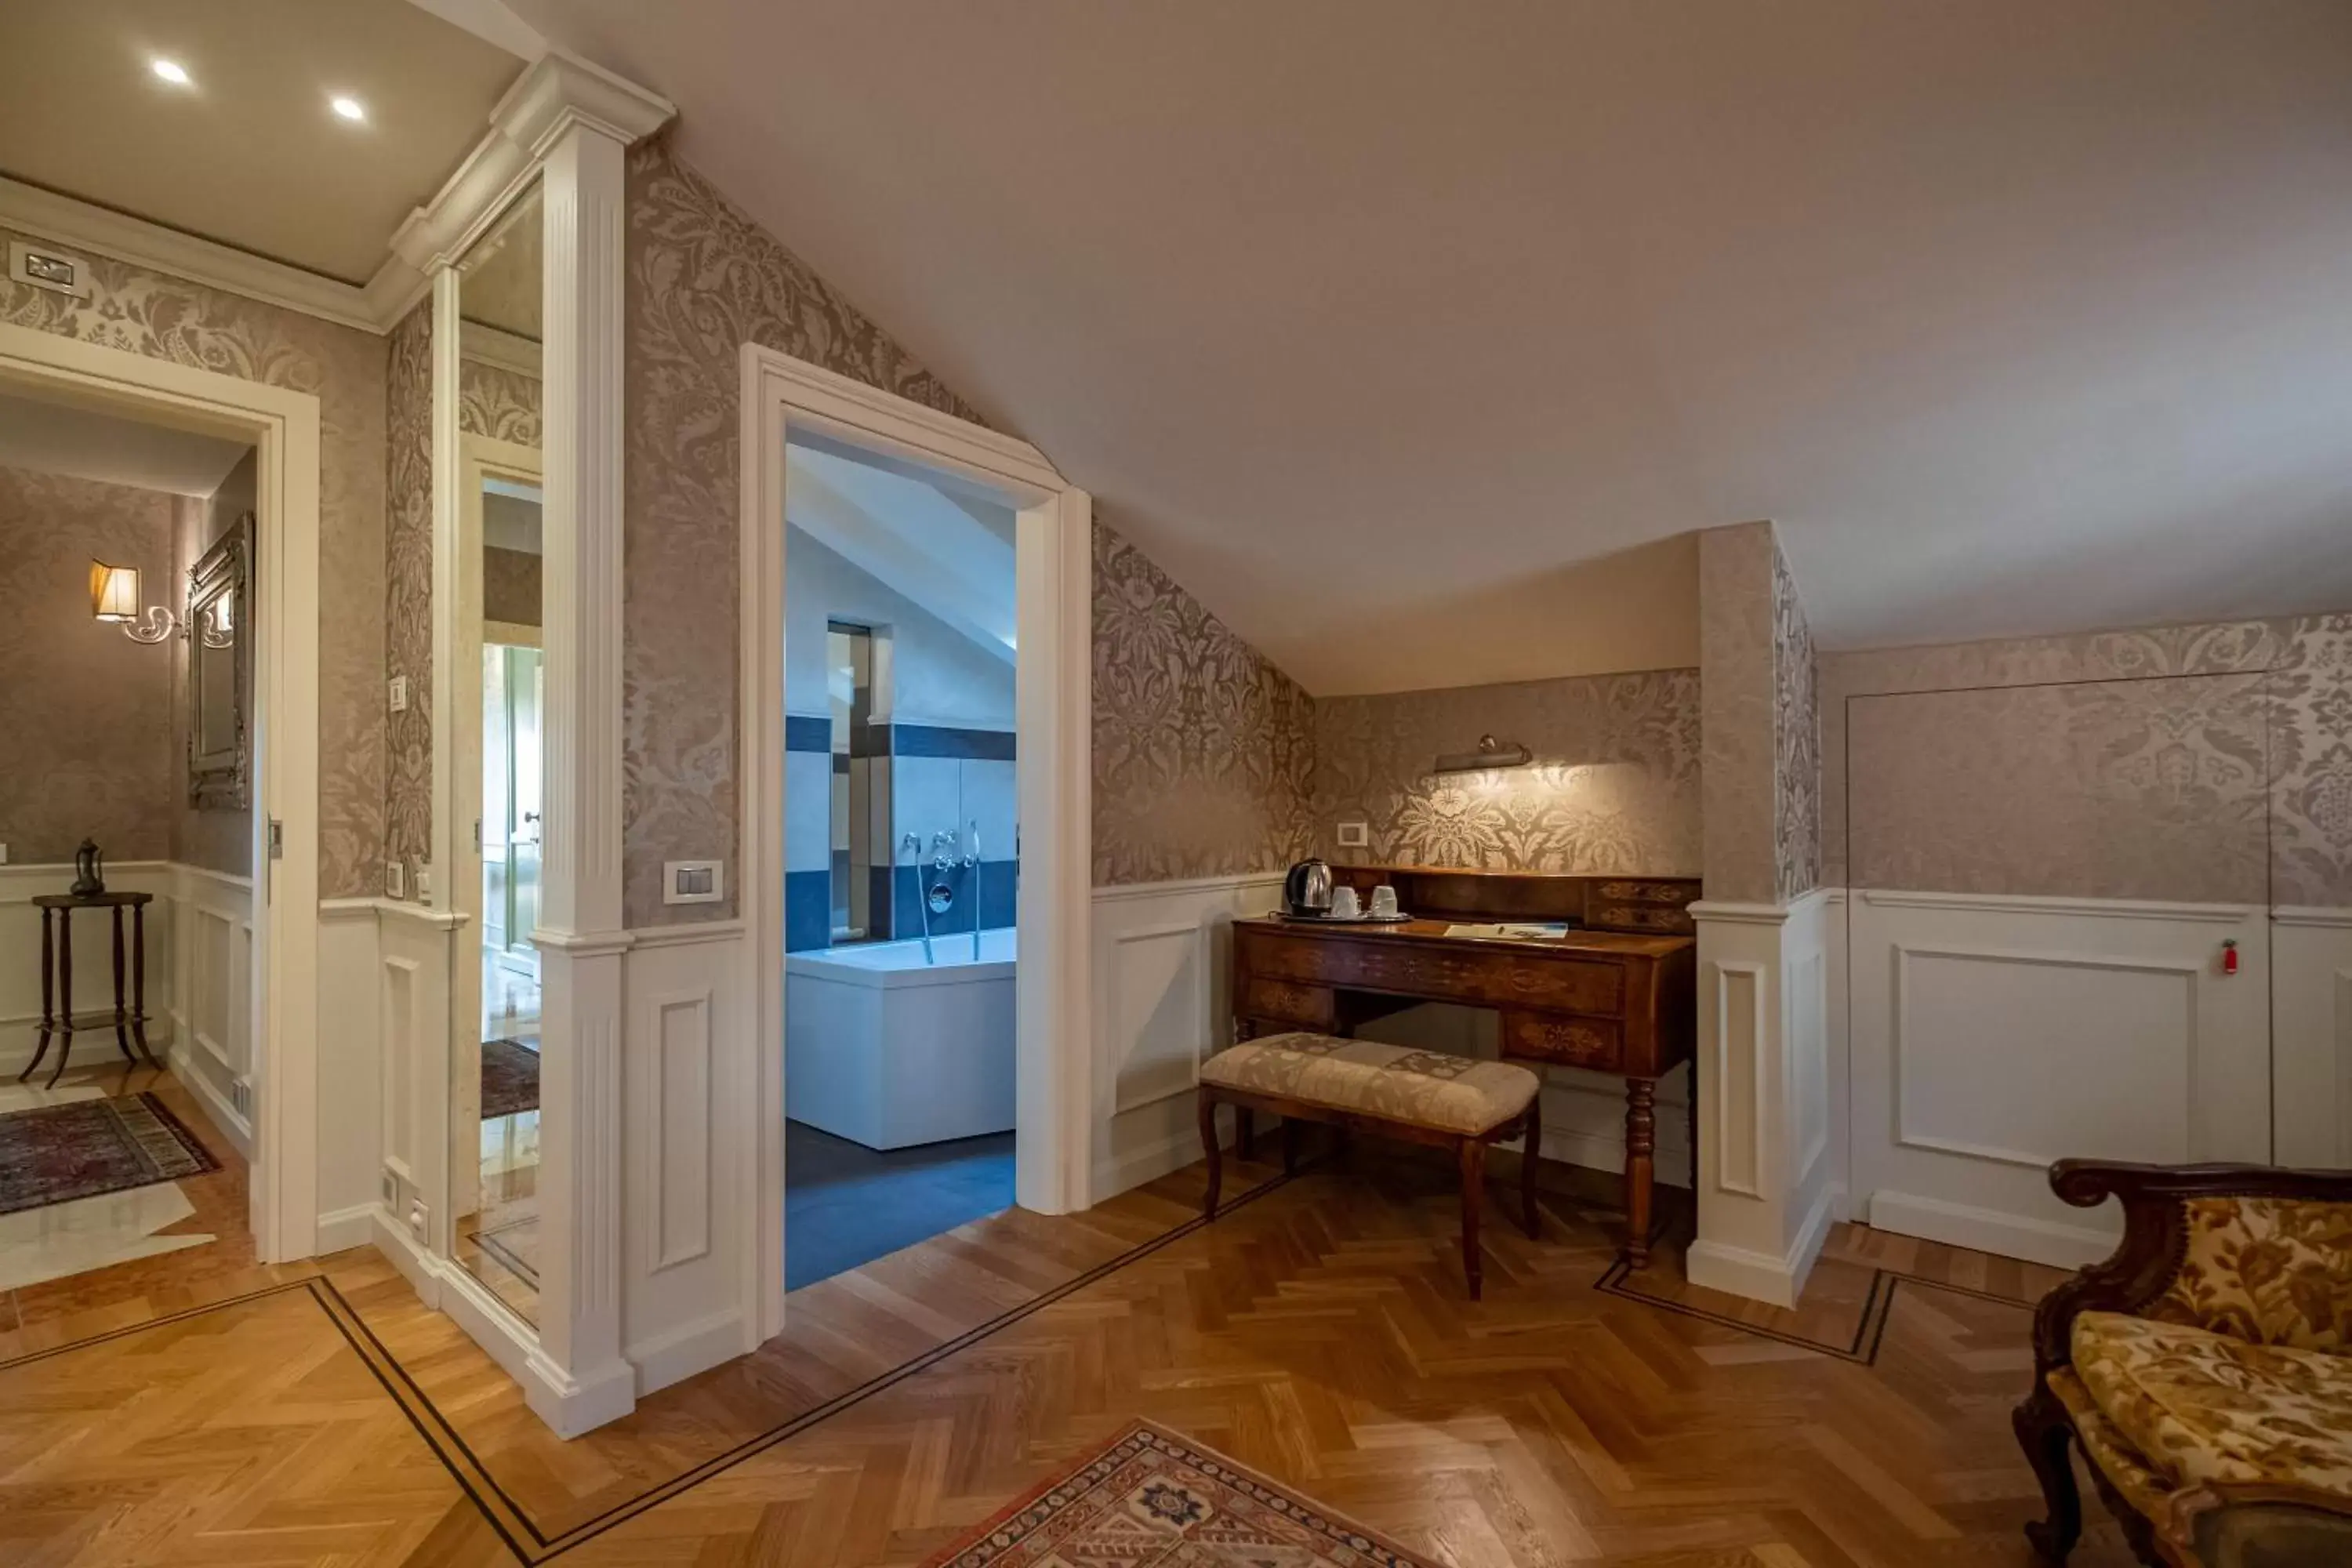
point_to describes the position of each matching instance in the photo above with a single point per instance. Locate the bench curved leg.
(1528, 1218)
(1474, 1198)
(1209, 1146)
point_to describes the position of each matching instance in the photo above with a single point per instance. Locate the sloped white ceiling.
(1376, 321)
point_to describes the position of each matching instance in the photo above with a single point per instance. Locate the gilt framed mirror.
(219, 631)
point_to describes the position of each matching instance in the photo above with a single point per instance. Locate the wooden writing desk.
(1608, 1001)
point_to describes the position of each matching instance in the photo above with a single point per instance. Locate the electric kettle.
(1306, 891)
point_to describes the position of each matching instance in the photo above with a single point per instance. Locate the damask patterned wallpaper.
(1203, 752)
(1740, 696)
(1614, 786)
(2310, 694)
(1796, 740)
(164, 316)
(497, 402)
(703, 279)
(2211, 761)
(86, 710)
(408, 588)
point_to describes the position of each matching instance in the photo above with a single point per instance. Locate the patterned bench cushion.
(1418, 1089)
(2201, 1408)
(2277, 1271)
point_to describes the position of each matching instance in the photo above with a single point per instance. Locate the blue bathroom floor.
(846, 1204)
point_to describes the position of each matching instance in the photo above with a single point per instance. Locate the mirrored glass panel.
(495, 1113)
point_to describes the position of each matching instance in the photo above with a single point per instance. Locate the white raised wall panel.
(1160, 1004)
(2311, 1031)
(1993, 1036)
(1768, 1174)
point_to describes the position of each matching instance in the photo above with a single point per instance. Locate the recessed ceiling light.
(348, 108)
(171, 71)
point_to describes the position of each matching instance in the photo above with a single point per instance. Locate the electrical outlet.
(416, 1218)
(397, 697)
(395, 879)
(390, 1185)
(1354, 835)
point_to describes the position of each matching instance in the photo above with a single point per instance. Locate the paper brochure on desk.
(1525, 930)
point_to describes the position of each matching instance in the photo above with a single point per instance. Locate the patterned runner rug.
(510, 1078)
(54, 1153)
(1147, 1497)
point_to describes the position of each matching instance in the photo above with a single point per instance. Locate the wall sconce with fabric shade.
(1491, 753)
(115, 597)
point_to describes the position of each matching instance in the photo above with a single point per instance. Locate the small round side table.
(128, 1023)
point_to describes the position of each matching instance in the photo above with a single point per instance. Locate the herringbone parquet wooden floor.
(1317, 1332)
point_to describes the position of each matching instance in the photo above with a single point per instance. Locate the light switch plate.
(424, 882)
(693, 881)
(1355, 834)
(395, 879)
(398, 696)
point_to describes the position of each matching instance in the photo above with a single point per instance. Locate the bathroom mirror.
(494, 735)
(219, 748)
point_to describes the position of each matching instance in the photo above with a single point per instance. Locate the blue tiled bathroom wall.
(939, 778)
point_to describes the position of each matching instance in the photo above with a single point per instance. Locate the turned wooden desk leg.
(1640, 1150)
(1473, 1199)
(139, 984)
(1527, 1216)
(1209, 1144)
(65, 994)
(48, 1010)
(121, 1014)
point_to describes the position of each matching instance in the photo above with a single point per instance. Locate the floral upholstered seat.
(2197, 1406)
(1394, 1083)
(2208, 1364)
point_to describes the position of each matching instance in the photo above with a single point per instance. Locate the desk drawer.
(1284, 1002)
(1595, 1043)
(1440, 973)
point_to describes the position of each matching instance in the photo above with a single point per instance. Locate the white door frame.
(283, 426)
(1053, 769)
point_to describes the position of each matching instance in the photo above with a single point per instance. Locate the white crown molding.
(80, 225)
(507, 351)
(556, 93)
(562, 90)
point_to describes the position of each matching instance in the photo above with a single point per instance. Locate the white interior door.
(1993, 1036)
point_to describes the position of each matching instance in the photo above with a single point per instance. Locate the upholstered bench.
(1390, 1091)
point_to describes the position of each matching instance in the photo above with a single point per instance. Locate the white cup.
(1345, 905)
(1384, 904)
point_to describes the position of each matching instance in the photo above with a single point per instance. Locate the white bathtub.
(889, 1051)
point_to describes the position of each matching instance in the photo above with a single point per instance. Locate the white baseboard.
(402, 1251)
(1150, 1161)
(1759, 1276)
(1988, 1230)
(341, 1228)
(680, 1353)
(217, 1109)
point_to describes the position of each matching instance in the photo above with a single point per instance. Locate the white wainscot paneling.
(351, 1072)
(686, 1051)
(1160, 1004)
(1991, 1036)
(2311, 1026)
(212, 995)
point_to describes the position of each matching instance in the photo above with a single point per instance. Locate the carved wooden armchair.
(2205, 1370)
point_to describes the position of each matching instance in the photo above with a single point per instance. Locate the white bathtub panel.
(893, 1058)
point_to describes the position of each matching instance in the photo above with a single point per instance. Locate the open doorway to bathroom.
(902, 857)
